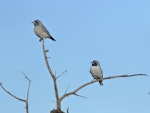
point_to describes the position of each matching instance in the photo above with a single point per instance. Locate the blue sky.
(117, 33)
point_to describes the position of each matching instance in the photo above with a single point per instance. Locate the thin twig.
(61, 74)
(67, 89)
(121, 76)
(27, 98)
(80, 96)
(9, 93)
(26, 77)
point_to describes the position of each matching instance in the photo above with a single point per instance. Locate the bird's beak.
(33, 22)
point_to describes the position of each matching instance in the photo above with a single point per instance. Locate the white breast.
(96, 72)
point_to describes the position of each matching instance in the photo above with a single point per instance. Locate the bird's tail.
(48, 37)
(52, 38)
(101, 82)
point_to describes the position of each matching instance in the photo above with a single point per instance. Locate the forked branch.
(17, 98)
(74, 92)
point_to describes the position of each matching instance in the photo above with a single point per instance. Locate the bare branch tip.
(61, 74)
(80, 96)
(26, 77)
(143, 74)
(67, 89)
(146, 75)
(139, 75)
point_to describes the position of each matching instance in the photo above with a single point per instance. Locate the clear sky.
(115, 32)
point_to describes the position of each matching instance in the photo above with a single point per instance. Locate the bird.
(96, 71)
(41, 31)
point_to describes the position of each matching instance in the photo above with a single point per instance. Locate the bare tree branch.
(86, 84)
(27, 98)
(121, 76)
(80, 96)
(76, 90)
(11, 94)
(19, 99)
(52, 75)
(46, 60)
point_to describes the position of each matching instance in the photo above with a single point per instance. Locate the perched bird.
(96, 71)
(41, 31)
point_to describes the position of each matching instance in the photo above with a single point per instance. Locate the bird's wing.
(45, 30)
(37, 35)
(101, 72)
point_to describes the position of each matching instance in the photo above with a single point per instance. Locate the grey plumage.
(41, 31)
(96, 71)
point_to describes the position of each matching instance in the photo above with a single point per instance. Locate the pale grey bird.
(41, 31)
(96, 71)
